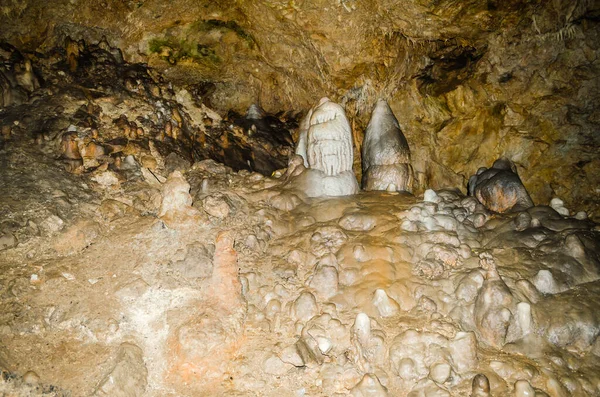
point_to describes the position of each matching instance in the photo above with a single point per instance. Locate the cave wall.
(468, 80)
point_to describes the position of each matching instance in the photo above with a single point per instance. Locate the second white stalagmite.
(385, 153)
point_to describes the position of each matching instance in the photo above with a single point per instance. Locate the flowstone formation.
(222, 282)
(385, 153)
(325, 145)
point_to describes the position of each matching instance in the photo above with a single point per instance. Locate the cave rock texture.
(180, 213)
(470, 81)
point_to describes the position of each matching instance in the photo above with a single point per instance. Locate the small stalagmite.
(385, 153)
(72, 50)
(480, 386)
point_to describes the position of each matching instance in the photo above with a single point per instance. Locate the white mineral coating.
(446, 222)
(409, 226)
(305, 307)
(545, 283)
(369, 386)
(315, 183)
(385, 153)
(329, 144)
(463, 351)
(406, 369)
(273, 365)
(581, 215)
(329, 154)
(429, 223)
(285, 201)
(272, 309)
(52, 224)
(303, 137)
(559, 206)
(328, 260)
(362, 329)
(423, 348)
(440, 372)
(523, 389)
(176, 194)
(291, 355)
(480, 386)
(31, 378)
(255, 112)
(325, 335)
(106, 179)
(358, 222)
(324, 344)
(245, 285)
(428, 388)
(524, 317)
(575, 247)
(325, 281)
(360, 253)
(431, 196)
(386, 306)
(349, 277)
(563, 211)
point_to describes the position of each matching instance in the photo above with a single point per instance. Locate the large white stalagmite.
(385, 153)
(325, 144)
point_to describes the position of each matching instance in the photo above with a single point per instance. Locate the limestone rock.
(7, 241)
(176, 207)
(176, 194)
(128, 377)
(305, 307)
(523, 389)
(499, 188)
(369, 386)
(197, 262)
(480, 386)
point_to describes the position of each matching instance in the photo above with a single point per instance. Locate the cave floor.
(255, 290)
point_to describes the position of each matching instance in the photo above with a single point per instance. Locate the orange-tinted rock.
(499, 188)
